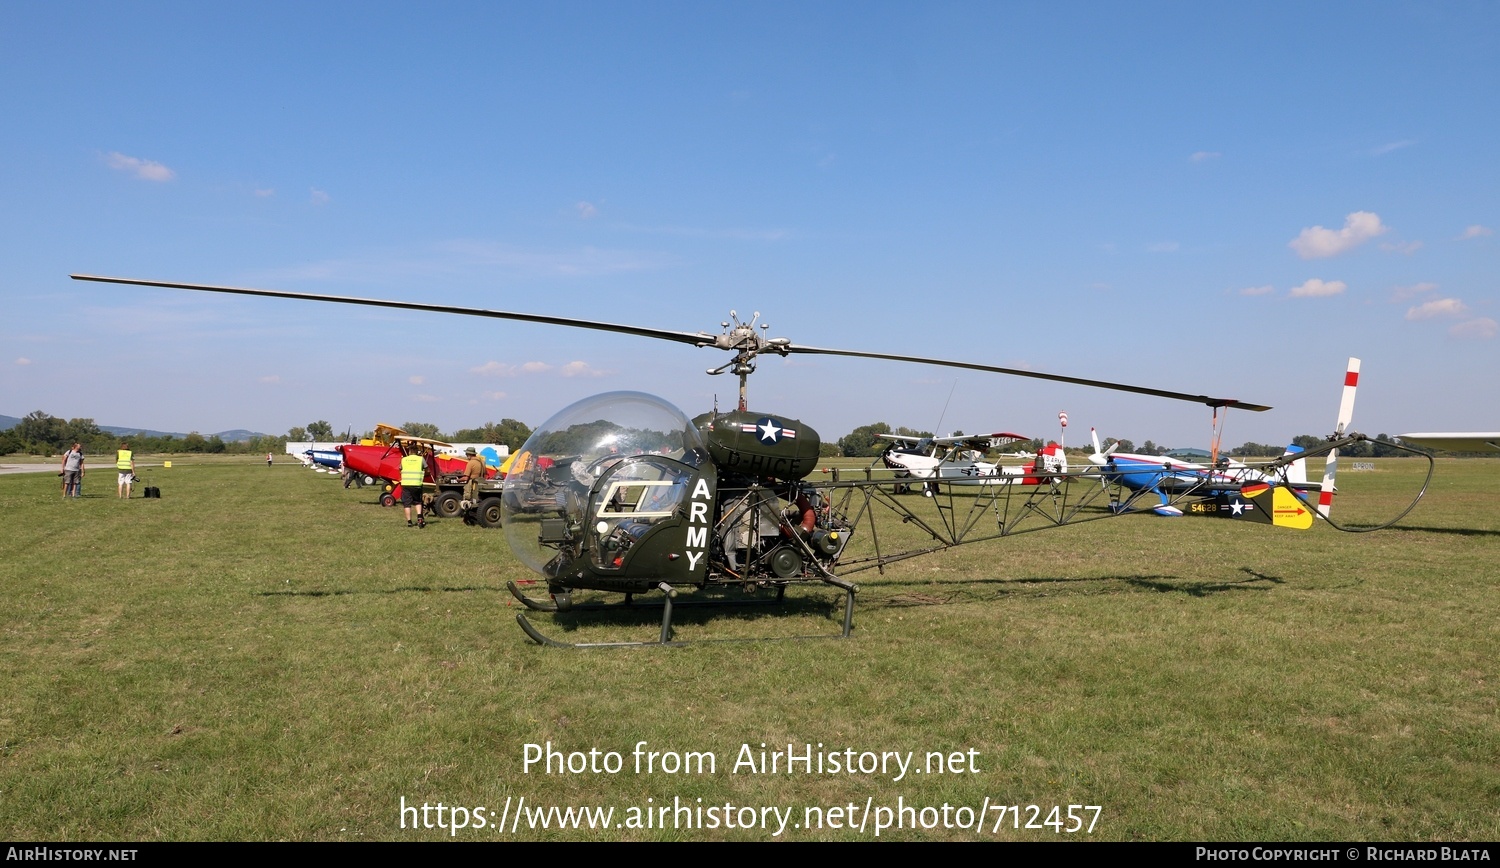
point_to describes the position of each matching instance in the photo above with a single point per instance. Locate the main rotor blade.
(698, 339)
(1016, 372)
(662, 334)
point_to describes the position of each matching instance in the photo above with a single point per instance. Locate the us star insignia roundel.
(768, 430)
(1275, 504)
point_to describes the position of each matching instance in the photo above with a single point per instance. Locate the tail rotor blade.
(1346, 415)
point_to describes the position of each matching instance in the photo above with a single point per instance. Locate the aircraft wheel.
(490, 509)
(387, 499)
(447, 504)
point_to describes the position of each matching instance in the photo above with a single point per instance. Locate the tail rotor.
(1346, 414)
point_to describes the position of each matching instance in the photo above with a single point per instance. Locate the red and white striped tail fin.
(1346, 414)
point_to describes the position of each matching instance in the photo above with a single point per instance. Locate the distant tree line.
(40, 433)
(1364, 449)
(43, 434)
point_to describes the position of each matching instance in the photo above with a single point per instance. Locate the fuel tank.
(760, 444)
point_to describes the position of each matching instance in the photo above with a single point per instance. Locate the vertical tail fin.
(1346, 413)
(1296, 472)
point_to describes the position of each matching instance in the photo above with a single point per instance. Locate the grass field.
(262, 654)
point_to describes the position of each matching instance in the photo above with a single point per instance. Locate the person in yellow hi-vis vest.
(413, 469)
(125, 463)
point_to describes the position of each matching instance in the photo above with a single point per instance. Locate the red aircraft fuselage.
(384, 462)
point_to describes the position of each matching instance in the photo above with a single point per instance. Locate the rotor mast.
(746, 344)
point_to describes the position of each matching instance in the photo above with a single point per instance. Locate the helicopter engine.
(767, 535)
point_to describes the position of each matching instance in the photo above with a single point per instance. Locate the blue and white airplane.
(322, 460)
(1155, 474)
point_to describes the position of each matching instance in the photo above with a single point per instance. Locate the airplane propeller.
(1101, 458)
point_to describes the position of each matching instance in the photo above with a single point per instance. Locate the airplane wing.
(424, 441)
(967, 441)
(981, 441)
(1461, 441)
(903, 438)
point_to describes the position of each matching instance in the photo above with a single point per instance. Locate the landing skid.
(667, 604)
(552, 606)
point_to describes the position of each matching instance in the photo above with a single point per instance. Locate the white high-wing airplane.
(1459, 441)
(957, 459)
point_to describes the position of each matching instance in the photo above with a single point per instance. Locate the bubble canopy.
(553, 472)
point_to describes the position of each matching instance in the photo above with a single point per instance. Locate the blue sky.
(1219, 198)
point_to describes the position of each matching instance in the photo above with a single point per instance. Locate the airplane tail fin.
(1346, 413)
(1296, 472)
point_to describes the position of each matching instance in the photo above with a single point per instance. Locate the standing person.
(268, 459)
(125, 463)
(72, 471)
(413, 469)
(473, 472)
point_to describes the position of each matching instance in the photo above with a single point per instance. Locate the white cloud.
(1479, 329)
(587, 210)
(1316, 288)
(318, 197)
(270, 378)
(1402, 293)
(1204, 156)
(1476, 231)
(416, 379)
(428, 399)
(23, 361)
(1163, 247)
(1258, 290)
(492, 396)
(1393, 146)
(582, 369)
(1406, 247)
(265, 192)
(501, 369)
(146, 170)
(1436, 308)
(1320, 243)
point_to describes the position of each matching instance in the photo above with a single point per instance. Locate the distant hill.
(236, 435)
(138, 432)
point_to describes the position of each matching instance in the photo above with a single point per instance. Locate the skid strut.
(665, 637)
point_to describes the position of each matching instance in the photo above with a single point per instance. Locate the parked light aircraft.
(957, 459)
(1163, 477)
